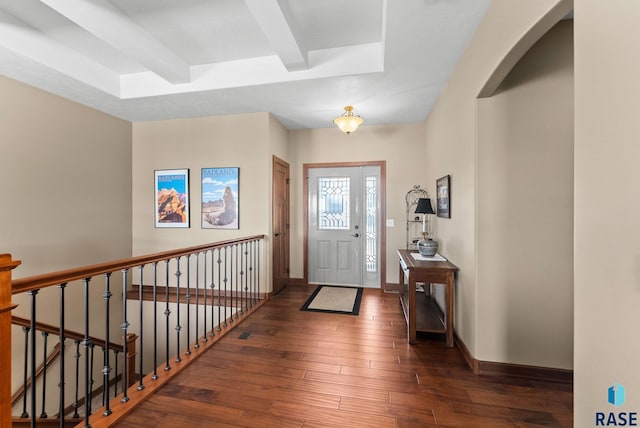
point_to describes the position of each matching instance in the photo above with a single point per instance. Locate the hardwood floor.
(306, 369)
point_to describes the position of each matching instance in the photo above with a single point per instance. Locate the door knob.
(355, 235)
(277, 234)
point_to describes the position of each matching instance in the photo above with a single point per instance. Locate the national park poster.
(220, 196)
(172, 198)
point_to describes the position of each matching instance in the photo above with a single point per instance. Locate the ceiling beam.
(104, 20)
(26, 42)
(271, 16)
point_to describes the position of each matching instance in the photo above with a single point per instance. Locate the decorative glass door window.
(333, 203)
(371, 254)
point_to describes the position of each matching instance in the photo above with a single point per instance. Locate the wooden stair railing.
(55, 353)
(222, 278)
(68, 334)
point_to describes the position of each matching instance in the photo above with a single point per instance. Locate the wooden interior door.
(280, 227)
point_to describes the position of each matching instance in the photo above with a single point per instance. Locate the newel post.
(6, 266)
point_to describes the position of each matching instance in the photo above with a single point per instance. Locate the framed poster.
(220, 196)
(443, 192)
(172, 197)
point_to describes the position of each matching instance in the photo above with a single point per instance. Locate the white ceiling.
(302, 60)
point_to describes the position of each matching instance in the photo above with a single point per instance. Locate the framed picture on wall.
(443, 193)
(172, 197)
(220, 197)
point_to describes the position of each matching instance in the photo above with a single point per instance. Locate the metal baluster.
(141, 329)
(188, 297)
(125, 327)
(238, 287)
(219, 291)
(89, 400)
(43, 415)
(155, 321)
(197, 345)
(106, 369)
(33, 295)
(255, 271)
(26, 331)
(247, 274)
(212, 286)
(243, 277)
(167, 312)
(251, 273)
(61, 383)
(242, 301)
(77, 356)
(115, 377)
(86, 342)
(226, 280)
(178, 326)
(231, 284)
(105, 393)
(258, 267)
(204, 303)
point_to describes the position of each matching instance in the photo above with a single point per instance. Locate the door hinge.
(288, 180)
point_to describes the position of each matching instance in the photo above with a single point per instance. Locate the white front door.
(344, 226)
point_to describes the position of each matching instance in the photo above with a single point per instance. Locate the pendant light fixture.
(348, 122)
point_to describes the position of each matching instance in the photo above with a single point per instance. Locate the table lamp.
(427, 246)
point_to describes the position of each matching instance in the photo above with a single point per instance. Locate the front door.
(344, 225)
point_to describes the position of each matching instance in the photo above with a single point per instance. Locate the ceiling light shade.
(348, 122)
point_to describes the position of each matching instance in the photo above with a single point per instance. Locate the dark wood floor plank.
(304, 369)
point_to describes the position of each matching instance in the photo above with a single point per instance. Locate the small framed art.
(443, 192)
(172, 197)
(220, 196)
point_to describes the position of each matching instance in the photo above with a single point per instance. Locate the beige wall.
(66, 174)
(244, 141)
(525, 209)
(607, 211)
(401, 146)
(452, 148)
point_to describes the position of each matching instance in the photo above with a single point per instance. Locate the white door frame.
(382, 196)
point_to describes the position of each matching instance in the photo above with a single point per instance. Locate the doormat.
(334, 300)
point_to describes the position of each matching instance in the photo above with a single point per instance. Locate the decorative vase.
(427, 247)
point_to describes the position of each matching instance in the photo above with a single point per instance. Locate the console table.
(420, 310)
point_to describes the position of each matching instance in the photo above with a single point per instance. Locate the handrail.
(37, 282)
(68, 334)
(219, 284)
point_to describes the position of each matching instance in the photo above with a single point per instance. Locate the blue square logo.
(616, 395)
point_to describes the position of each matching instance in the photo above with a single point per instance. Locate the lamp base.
(427, 247)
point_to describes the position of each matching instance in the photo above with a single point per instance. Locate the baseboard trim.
(296, 281)
(529, 372)
(391, 288)
(468, 357)
(490, 368)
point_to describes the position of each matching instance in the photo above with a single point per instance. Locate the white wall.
(401, 146)
(607, 211)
